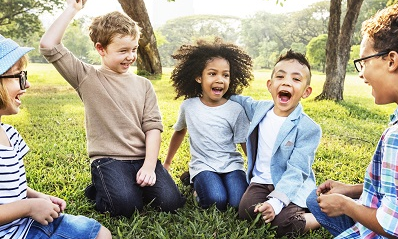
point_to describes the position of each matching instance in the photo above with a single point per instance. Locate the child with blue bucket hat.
(25, 212)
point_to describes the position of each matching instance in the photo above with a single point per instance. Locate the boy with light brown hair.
(123, 121)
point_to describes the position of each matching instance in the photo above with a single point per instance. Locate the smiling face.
(288, 85)
(12, 90)
(215, 82)
(120, 54)
(380, 73)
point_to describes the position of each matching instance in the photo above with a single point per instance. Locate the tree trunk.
(148, 54)
(338, 48)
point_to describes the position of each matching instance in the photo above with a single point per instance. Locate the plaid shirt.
(380, 188)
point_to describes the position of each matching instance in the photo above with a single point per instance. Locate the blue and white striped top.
(13, 186)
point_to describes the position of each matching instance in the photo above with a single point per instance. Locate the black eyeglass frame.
(381, 53)
(22, 76)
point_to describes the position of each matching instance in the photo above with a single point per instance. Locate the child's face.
(120, 54)
(14, 92)
(288, 85)
(215, 82)
(375, 72)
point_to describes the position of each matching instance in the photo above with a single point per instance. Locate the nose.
(27, 84)
(132, 55)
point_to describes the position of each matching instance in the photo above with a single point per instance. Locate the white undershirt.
(267, 133)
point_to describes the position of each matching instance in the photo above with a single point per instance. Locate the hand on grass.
(266, 210)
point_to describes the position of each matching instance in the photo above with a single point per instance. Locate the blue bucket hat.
(10, 53)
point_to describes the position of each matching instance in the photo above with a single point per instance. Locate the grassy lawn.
(52, 123)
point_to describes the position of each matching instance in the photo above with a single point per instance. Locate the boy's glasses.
(358, 63)
(22, 76)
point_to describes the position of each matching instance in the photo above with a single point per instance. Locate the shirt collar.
(394, 117)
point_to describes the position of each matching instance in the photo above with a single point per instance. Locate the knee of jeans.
(125, 205)
(311, 201)
(172, 205)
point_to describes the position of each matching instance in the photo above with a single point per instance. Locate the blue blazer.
(293, 153)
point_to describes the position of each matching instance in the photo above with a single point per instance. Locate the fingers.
(146, 179)
(268, 218)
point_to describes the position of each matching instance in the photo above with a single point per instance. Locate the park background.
(52, 116)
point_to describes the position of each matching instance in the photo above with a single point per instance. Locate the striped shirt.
(380, 188)
(13, 186)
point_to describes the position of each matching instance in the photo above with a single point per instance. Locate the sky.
(160, 10)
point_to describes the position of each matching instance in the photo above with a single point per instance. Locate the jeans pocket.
(102, 162)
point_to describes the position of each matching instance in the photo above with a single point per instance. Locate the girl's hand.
(43, 210)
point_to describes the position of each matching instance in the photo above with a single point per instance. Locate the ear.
(199, 80)
(100, 49)
(269, 83)
(307, 92)
(393, 61)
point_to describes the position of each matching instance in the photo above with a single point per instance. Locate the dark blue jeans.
(118, 193)
(335, 225)
(220, 188)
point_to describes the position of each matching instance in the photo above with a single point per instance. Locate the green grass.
(52, 123)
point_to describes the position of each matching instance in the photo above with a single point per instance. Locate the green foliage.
(185, 30)
(316, 52)
(19, 18)
(52, 123)
(76, 39)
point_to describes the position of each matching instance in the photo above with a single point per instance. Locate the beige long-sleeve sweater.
(119, 108)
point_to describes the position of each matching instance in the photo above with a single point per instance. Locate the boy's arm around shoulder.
(248, 104)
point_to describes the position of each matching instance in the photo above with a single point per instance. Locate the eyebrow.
(294, 73)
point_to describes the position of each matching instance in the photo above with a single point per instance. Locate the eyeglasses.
(358, 63)
(22, 76)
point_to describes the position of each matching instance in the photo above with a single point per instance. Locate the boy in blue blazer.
(282, 141)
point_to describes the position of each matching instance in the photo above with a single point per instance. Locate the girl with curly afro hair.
(207, 74)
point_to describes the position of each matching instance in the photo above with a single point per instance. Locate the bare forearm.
(12, 211)
(152, 142)
(55, 32)
(365, 216)
(175, 142)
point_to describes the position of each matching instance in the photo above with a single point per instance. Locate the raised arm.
(55, 32)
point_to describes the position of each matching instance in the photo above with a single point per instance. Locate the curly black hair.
(192, 60)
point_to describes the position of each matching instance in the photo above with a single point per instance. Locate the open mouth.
(18, 98)
(217, 90)
(284, 96)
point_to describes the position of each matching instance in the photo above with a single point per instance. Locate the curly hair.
(292, 55)
(104, 28)
(192, 60)
(382, 28)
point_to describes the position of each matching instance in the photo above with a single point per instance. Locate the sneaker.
(185, 178)
(90, 192)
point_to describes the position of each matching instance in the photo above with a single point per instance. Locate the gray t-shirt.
(213, 135)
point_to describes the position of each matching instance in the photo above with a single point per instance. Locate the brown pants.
(289, 222)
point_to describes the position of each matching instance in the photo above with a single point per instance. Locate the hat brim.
(12, 57)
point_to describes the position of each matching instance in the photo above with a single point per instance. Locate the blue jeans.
(220, 188)
(335, 225)
(118, 193)
(65, 227)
